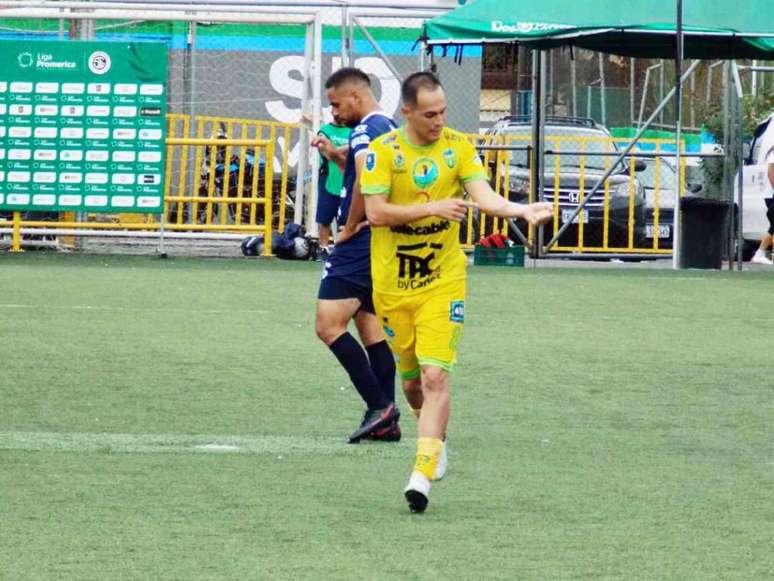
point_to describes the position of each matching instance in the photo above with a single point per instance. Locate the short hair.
(347, 75)
(416, 81)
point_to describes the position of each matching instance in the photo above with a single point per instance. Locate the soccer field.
(179, 419)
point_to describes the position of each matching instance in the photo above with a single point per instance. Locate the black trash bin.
(702, 222)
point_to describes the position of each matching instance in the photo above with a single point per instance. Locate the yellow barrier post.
(224, 207)
(16, 234)
(267, 225)
(656, 198)
(254, 184)
(198, 156)
(284, 186)
(241, 180)
(268, 176)
(183, 172)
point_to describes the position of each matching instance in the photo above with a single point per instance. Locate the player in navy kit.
(345, 289)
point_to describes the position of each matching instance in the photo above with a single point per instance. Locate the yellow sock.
(428, 453)
(415, 411)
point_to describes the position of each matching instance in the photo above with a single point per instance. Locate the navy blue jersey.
(352, 259)
(371, 127)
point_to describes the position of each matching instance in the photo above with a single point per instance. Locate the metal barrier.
(225, 193)
(219, 186)
(631, 214)
(228, 177)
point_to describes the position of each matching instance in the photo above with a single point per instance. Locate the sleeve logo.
(457, 311)
(370, 161)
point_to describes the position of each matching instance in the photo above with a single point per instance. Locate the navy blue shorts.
(333, 288)
(327, 207)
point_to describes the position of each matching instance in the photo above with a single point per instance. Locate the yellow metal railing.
(253, 196)
(582, 238)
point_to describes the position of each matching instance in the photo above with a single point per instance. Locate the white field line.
(193, 444)
(133, 309)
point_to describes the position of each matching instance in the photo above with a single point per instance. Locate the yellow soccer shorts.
(423, 329)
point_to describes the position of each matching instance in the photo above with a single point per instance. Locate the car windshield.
(571, 140)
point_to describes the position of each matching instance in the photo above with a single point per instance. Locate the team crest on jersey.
(457, 311)
(370, 161)
(399, 160)
(450, 158)
(425, 172)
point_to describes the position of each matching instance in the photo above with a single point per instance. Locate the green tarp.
(713, 29)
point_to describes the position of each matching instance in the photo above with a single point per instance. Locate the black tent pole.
(678, 126)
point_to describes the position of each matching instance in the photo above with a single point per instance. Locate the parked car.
(756, 186)
(659, 180)
(577, 175)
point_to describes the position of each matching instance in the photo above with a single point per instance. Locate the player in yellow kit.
(414, 181)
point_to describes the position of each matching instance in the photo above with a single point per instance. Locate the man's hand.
(324, 145)
(454, 209)
(538, 213)
(347, 233)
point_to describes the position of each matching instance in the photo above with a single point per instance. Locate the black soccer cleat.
(375, 420)
(417, 501)
(390, 433)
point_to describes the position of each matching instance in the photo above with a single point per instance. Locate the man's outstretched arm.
(494, 204)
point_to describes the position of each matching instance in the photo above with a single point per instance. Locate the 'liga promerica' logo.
(25, 60)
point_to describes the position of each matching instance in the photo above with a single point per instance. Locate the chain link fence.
(388, 49)
(252, 81)
(245, 79)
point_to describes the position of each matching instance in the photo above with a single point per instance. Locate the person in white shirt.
(760, 256)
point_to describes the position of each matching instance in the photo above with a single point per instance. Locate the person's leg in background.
(760, 256)
(382, 365)
(333, 315)
(327, 208)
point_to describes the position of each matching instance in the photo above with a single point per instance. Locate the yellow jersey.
(419, 256)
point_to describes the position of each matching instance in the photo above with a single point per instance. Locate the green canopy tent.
(721, 29)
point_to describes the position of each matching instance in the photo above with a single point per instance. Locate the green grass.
(607, 424)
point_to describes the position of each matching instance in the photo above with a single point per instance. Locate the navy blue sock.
(383, 365)
(353, 358)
